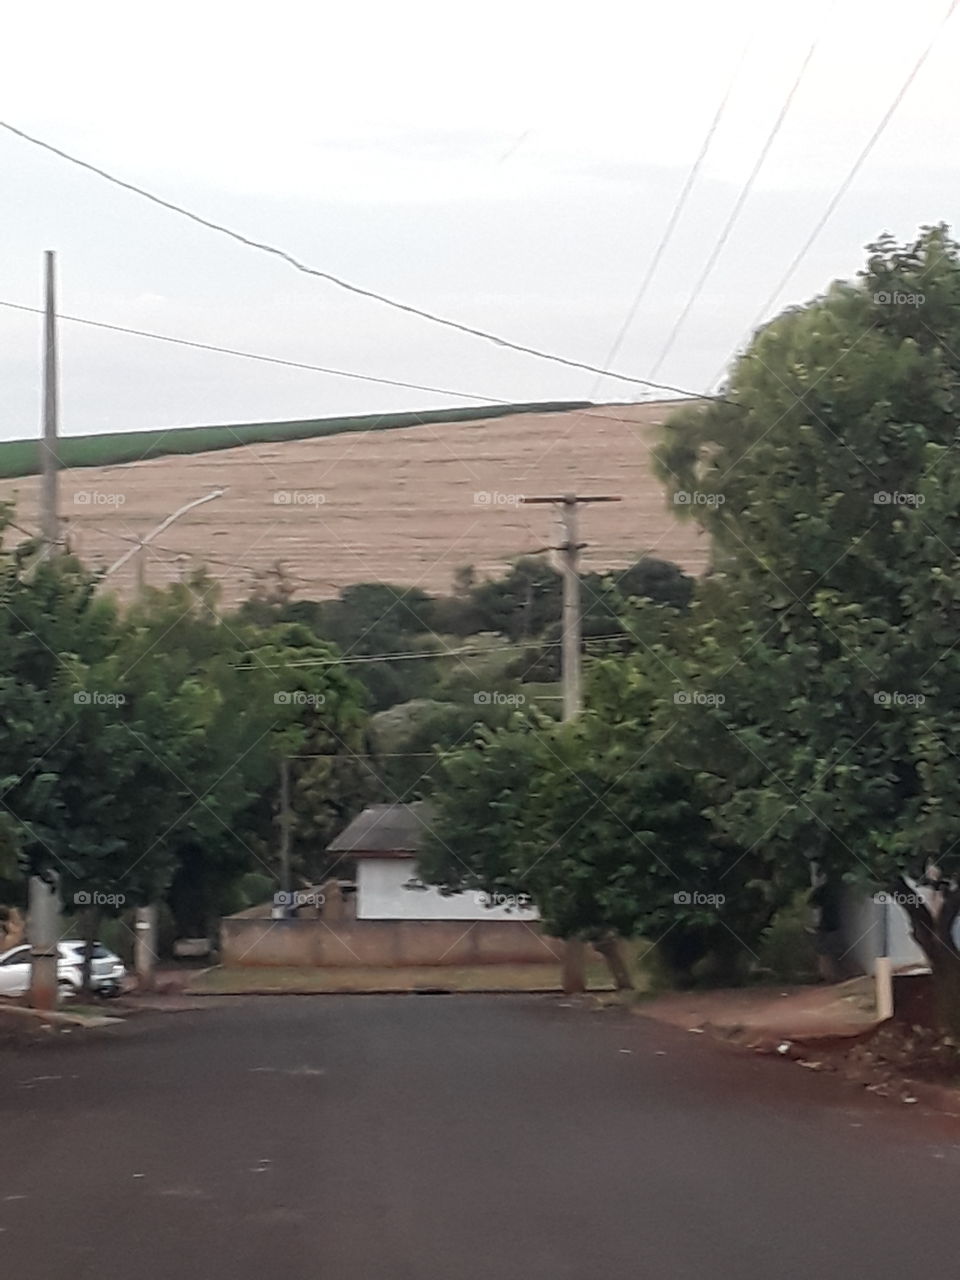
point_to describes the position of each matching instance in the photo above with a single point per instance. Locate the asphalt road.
(454, 1138)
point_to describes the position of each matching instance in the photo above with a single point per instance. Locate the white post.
(43, 932)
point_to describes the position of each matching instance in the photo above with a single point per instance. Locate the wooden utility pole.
(573, 970)
(50, 447)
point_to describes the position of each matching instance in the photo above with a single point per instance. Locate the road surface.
(454, 1138)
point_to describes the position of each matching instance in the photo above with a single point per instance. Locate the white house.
(382, 844)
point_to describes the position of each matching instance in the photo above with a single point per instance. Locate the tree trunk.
(612, 951)
(573, 974)
(933, 933)
(946, 995)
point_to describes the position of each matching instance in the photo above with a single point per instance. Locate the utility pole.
(573, 969)
(139, 549)
(43, 919)
(50, 448)
(44, 907)
(285, 822)
(140, 571)
(570, 549)
(145, 944)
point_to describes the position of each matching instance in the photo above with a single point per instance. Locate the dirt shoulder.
(830, 1029)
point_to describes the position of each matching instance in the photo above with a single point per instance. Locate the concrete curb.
(378, 991)
(55, 1018)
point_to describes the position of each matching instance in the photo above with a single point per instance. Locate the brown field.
(397, 506)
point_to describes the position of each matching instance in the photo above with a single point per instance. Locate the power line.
(274, 360)
(293, 364)
(359, 290)
(250, 355)
(409, 657)
(736, 211)
(844, 186)
(674, 216)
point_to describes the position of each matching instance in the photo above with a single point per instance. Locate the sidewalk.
(764, 1017)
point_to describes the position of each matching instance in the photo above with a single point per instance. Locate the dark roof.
(384, 830)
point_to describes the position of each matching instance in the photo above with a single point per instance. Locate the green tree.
(607, 831)
(829, 482)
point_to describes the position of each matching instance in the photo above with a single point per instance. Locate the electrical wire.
(409, 657)
(359, 290)
(857, 165)
(736, 211)
(292, 364)
(250, 355)
(674, 218)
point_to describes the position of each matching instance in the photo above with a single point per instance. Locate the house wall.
(381, 895)
(384, 943)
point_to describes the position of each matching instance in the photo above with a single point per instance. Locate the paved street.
(454, 1138)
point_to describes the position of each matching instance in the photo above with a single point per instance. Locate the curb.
(380, 991)
(51, 1017)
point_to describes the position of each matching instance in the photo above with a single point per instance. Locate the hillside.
(399, 505)
(23, 457)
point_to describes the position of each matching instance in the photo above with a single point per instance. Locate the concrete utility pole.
(145, 946)
(285, 822)
(570, 549)
(43, 930)
(44, 909)
(50, 447)
(573, 969)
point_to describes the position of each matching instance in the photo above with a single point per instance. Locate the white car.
(106, 970)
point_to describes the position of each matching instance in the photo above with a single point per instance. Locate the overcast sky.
(510, 165)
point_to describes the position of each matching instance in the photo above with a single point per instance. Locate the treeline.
(141, 747)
